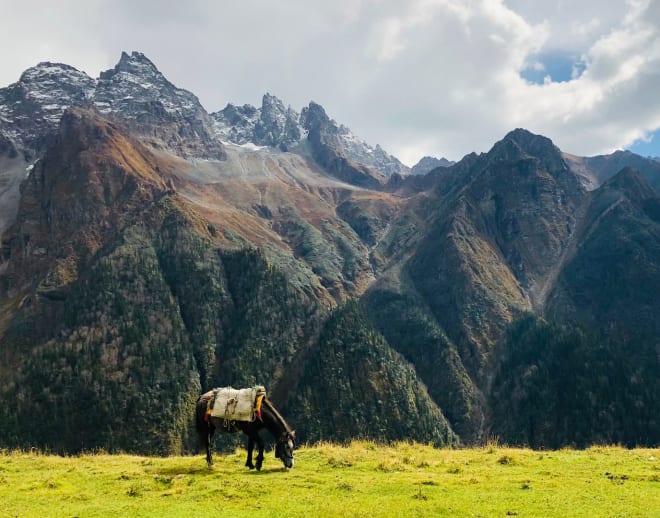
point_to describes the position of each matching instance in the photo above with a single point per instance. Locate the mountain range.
(152, 250)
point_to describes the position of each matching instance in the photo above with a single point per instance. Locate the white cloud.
(584, 29)
(613, 102)
(419, 77)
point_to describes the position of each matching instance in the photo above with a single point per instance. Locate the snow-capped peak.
(134, 90)
(275, 125)
(33, 105)
(272, 124)
(136, 79)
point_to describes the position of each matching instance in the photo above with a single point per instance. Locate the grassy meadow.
(361, 479)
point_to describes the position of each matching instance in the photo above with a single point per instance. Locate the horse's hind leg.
(260, 455)
(250, 449)
(209, 457)
(204, 427)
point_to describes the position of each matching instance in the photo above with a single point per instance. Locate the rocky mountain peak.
(630, 182)
(595, 170)
(237, 113)
(235, 124)
(272, 124)
(277, 125)
(137, 64)
(428, 163)
(313, 117)
(46, 73)
(30, 109)
(521, 144)
(134, 91)
(271, 101)
(529, 143)
(135, 79)
(316, 121)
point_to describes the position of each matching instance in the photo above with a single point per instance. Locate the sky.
(418, 77)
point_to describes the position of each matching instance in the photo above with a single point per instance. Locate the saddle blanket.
(236, 404)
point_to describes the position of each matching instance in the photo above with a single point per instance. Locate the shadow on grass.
(267, 471)
(219, 468)
(213, 472)
(183, 470)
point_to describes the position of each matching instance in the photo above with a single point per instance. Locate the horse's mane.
(278, 416)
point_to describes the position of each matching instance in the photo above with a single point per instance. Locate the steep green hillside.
(354, 385)
(410, 328)
(559, 385)
(591, 374)
(612, 280)
(159, 310)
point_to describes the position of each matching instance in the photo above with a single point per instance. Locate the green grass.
(363, 479)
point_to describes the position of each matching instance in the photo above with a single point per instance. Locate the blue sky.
(558, 66)
(650, 147)
(562, 66)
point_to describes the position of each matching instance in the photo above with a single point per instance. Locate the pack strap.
(209, 405)
(257, 405)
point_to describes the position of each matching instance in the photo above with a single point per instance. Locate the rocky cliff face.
(327, 149)
(76, 198)
(504, 223)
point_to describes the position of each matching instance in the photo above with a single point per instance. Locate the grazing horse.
(270, 419)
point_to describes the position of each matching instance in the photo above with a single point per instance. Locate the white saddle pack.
(237, 404)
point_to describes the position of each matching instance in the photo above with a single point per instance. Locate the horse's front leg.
(209, 439)
(260, 455)
(250, 449)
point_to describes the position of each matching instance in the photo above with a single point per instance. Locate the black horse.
(270, 419)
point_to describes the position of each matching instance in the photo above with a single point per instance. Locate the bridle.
(284, 447)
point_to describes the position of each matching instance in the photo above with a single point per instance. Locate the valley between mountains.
(152, 250)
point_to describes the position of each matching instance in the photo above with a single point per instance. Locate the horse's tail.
(205, 428)
(200, 413)
(201, 420)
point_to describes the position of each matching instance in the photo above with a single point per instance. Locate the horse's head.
(284, 449)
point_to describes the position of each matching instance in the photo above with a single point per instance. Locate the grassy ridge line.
(362, 479)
